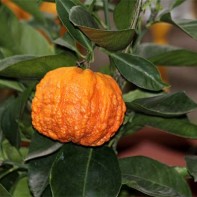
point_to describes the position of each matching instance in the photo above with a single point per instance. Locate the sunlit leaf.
(97, 172)
(111, 40)
(138, 71)
(152, 177)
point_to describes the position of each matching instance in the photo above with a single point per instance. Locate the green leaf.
(177, 126)
(166, 105)
(4, 83)
(137, 94)
(4, 192)
(125, 13)
(28, 67)
(191, 161)
(111, 40)
(167, 55)
(9, 124)
(176, 3)
(187, 25)
(41, 146)
(63, 9)
(153, 178)
(96, 172)
(12, 115)
(31, 7)
(67, 41)
(38, 173)
(21, 188)
(138, 71)
(21, 38)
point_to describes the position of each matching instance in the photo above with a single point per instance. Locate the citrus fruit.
(81, 106)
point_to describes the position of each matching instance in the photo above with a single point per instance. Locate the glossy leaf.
(111, 40)
(138, 71)
(28, 67)
(97, 172)
(177, 126)
(191, 161)
(38, 173)
(166, 105)
(21, 38)
(63, 9)
(152, 177)
(129, 8)
(4, 192)
(41, 146)
(187, 25)
(167, 55)
(32, 7)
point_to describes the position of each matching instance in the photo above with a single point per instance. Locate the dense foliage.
(34, 165)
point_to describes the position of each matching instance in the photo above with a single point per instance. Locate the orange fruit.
(19, 13)
(76, 105)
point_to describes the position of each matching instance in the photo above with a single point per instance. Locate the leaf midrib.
(86, 172)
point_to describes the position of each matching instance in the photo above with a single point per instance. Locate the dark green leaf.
(138, 71)
(97, 172)
(28, 67)
(38, 173)
(153, 178)
(21, 38)
(191, 161)
(111, 40)
(12, 115)
(4, 83)
(125, 13)
(4, 192)
(166, 105)
(9, 177)
(9, 124)
(41, 146)
(167, 55)
(187, 25)
(31, 7)
(63, 8)
(177, 126)
(68, 42)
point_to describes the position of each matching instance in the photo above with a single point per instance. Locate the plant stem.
(106, 12)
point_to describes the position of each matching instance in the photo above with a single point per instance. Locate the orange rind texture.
(79, 106)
